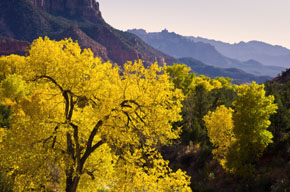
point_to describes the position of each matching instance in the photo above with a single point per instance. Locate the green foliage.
(251, 120)
(280, 121)
(195, 106)
(223, 96)
(241, 136)
(202, 94)
(181, 77)
(5, 116)
(13, 87)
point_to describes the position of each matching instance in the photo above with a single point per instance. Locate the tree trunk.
(72, 184)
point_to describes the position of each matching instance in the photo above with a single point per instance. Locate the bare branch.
(50, 79)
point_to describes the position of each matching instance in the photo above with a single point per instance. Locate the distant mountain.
(180, 46)
(237, 75)
(26, 20)
(262, 52)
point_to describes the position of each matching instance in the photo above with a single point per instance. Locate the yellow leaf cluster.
(136, 175)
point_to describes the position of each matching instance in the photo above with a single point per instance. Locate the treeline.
(235, 137)
(70, 122)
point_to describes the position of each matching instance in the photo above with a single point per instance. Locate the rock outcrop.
(11, 46)
(84, 41)
(85, 9)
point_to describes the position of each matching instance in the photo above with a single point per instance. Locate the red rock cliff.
(11, 46)
(87, 9)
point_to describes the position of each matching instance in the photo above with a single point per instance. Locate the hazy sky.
(226, 20)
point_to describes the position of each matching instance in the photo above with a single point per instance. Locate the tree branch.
(71, 107)
(51, 79)
(78, 154)
(90, 149)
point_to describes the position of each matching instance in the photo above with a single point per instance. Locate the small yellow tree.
(220, 126)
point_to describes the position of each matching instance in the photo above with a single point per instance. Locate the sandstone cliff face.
(87, 9)
(122, 49)
(76, 34)
(12, 46)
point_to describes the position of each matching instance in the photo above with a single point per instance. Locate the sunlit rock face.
(86, 9)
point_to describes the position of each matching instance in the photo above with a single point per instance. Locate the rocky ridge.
(88, 9)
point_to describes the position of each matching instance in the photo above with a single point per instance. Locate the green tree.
(251, 120)
(280, 122)
(195, 106)
(181, 77)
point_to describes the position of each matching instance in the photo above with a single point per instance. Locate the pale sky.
(230, 21)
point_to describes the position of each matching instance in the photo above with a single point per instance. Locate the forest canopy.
(71, 122)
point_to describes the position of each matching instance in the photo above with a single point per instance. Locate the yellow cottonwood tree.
(85, 125)
(220, 127)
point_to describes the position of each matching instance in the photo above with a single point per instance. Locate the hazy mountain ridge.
(180, 46)
(237, 75)
(265, 53)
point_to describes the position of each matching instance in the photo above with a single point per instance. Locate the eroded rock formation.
(11, 46)
(87, 9)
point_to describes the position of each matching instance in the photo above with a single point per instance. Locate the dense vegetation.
(72, 123)
(235, 138)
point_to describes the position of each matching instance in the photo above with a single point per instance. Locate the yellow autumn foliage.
(86, 125)
(220, 127)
